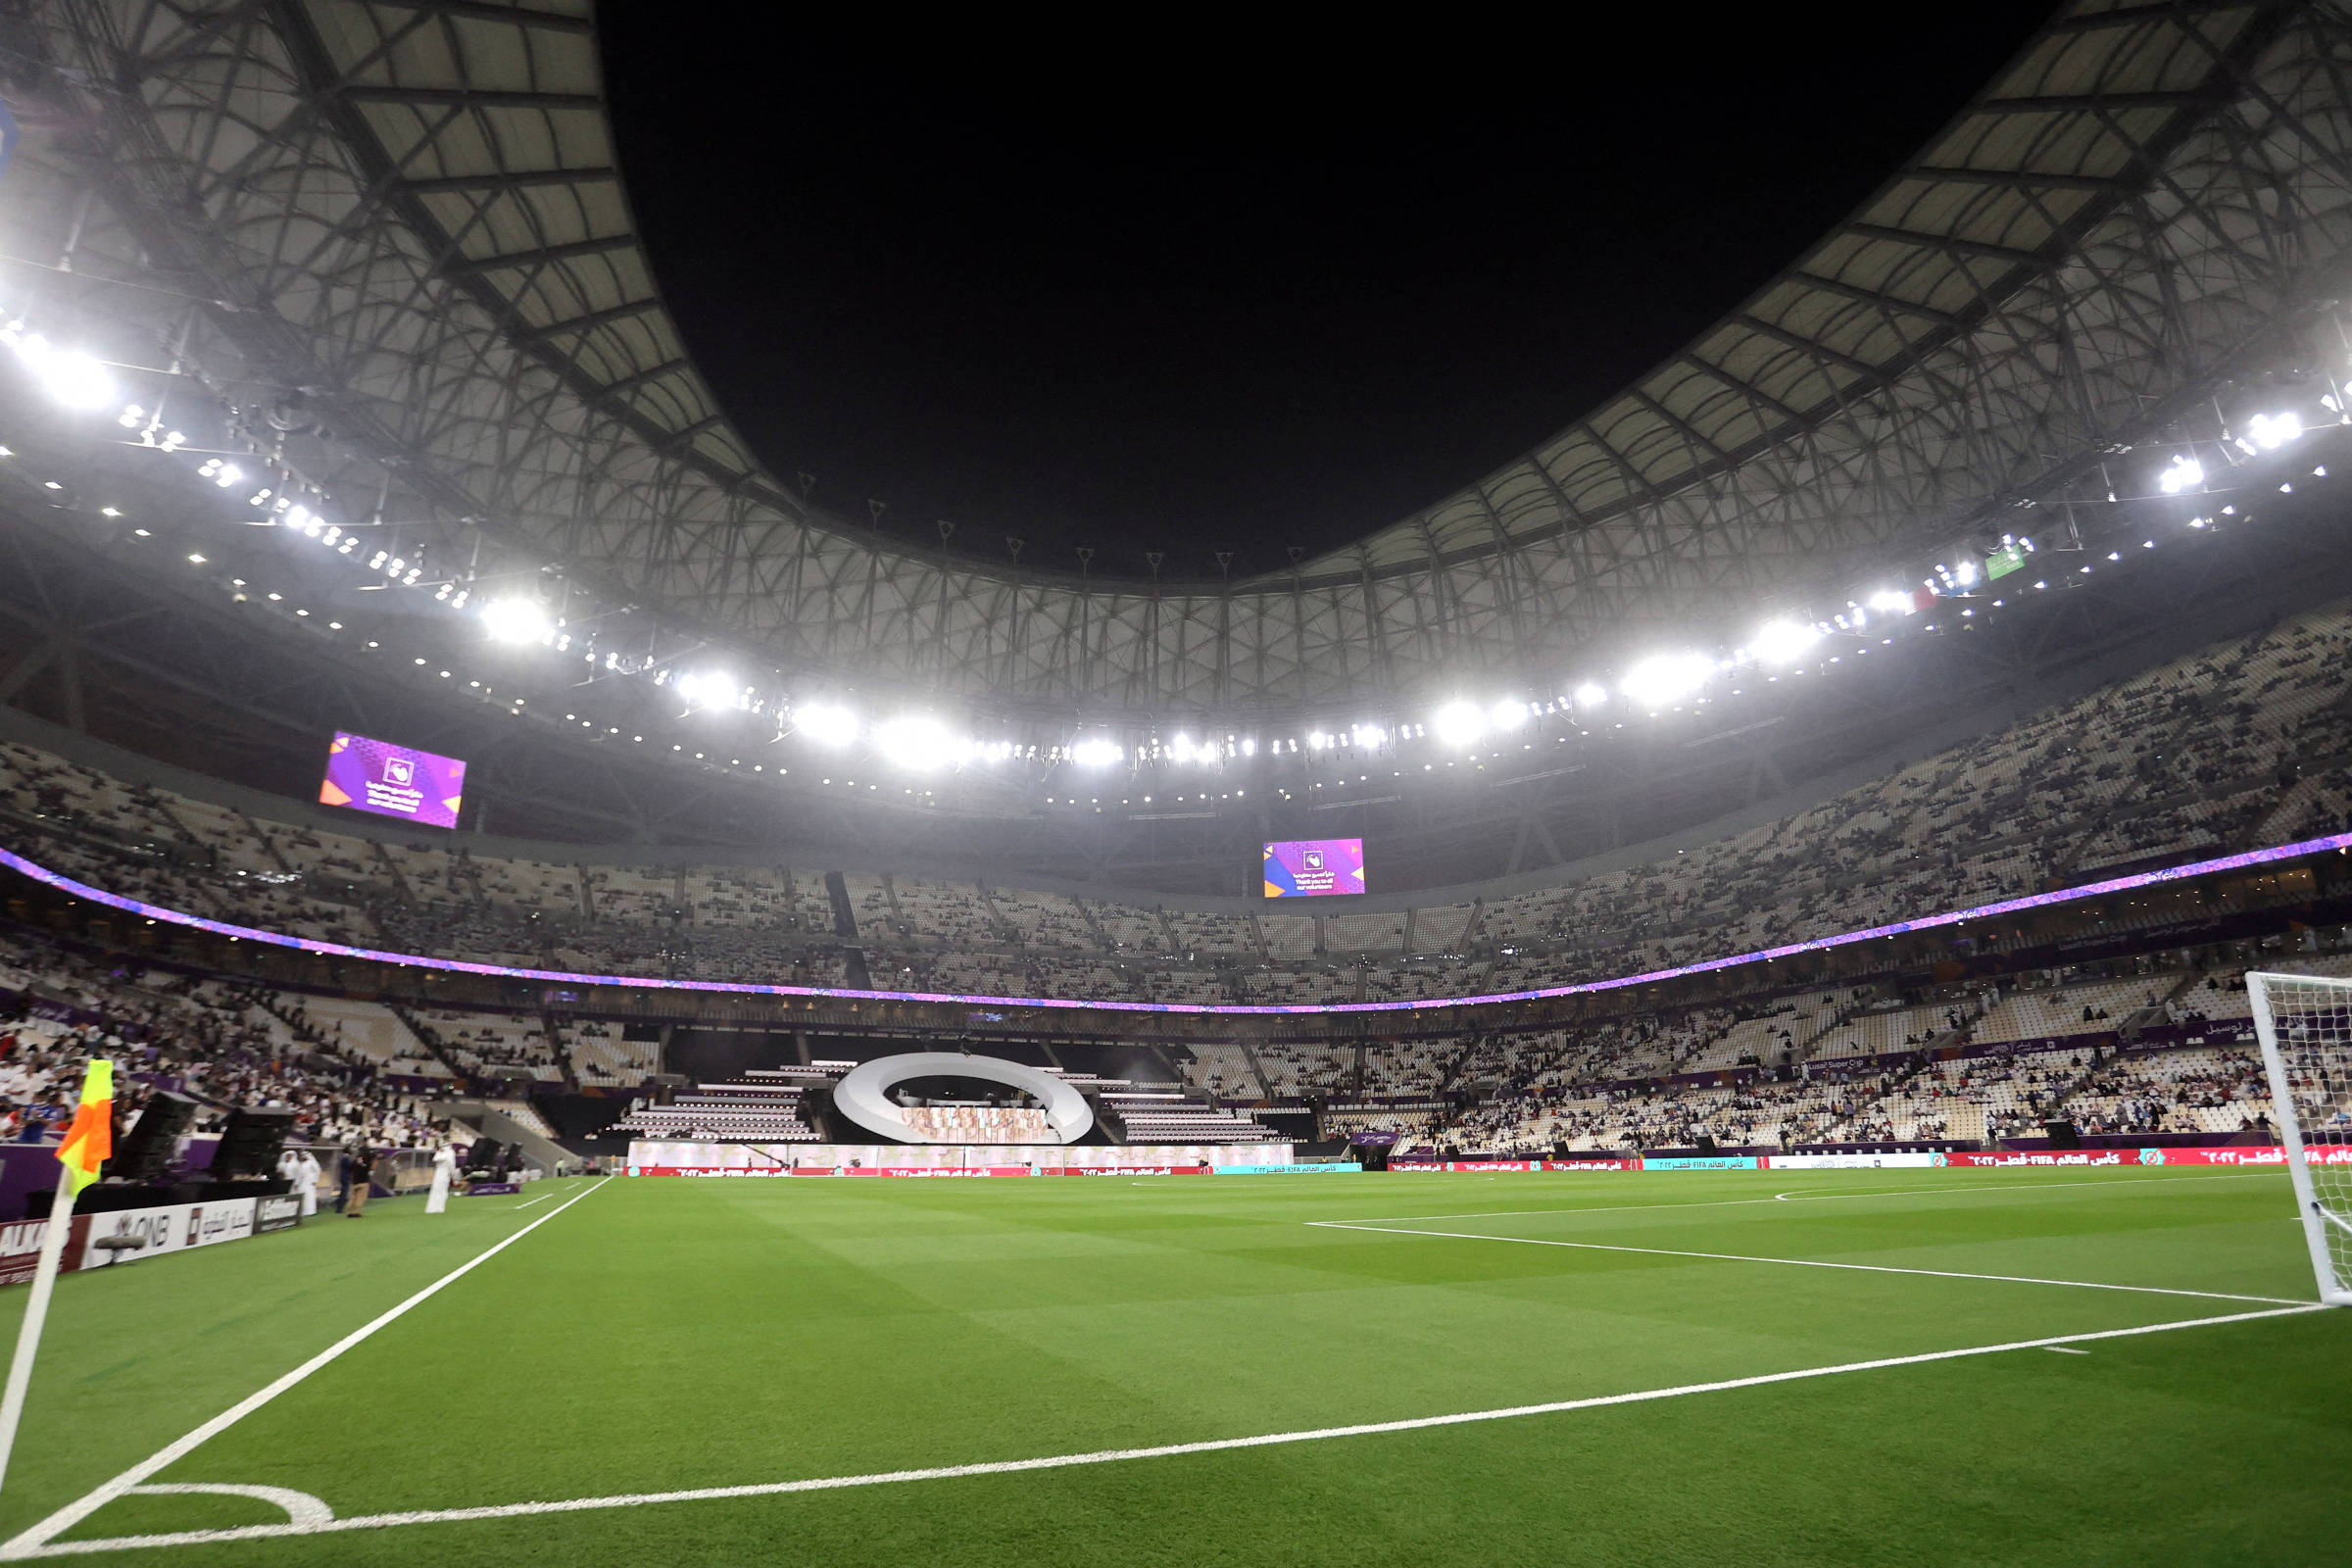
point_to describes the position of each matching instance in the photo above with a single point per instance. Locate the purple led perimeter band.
(2035, 900)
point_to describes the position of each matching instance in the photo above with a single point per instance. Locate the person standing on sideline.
(445, 1169)
(289, 1166)
(356, 1160)
(306, 1184)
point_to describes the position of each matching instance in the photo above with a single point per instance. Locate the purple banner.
(389, 780)
(1314, 869)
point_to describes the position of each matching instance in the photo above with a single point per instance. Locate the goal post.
(2304, 1022)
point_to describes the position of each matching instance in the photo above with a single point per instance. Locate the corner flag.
(90, 1141)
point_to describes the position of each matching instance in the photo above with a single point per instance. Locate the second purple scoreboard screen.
(391, 780)
(1314, 869)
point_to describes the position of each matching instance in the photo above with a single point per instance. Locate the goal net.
(2305, 1025)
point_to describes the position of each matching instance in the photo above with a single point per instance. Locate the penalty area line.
(1796, 1262)
(29, 1543)
(1063, 1461)
(1795, 1195)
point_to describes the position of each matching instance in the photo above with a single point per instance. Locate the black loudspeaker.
(2062, 1133)
(251, 1142)
(147, 1149)
(1706, 1145)
(483, 1154)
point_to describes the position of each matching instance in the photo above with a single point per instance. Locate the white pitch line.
(541, 1198)
(1805, 1198)
(1063, 1461)
(2064, 1349)
(1794, 1262)
(72, 1513)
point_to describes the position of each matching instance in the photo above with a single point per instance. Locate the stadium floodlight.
(2272, 431)
(1368, 735)
(915, 740)
(72, 377)
(1591, 694)
(1783, 642)
(706, 689)
(1965, 573)
(1096, 751)
(2304, 1024)
(826, 723)
(1892, 602)
(2185, 473)
(1507, 715)
(1460, 723)
(1661, 678)
(515, 620)
(1181, 749)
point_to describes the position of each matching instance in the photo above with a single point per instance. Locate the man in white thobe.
(445, 1168)
(289, 1166)
(306, 1181)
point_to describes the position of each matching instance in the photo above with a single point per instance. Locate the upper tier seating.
(2241, 744)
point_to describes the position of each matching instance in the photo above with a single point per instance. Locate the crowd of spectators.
(2242, 744)
(224, 1045)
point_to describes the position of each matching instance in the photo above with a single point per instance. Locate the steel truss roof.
(411, 211)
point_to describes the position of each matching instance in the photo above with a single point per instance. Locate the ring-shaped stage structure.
(863, 1093)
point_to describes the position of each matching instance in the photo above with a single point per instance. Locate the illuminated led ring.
(863, 1096)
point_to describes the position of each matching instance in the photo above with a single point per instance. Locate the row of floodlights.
(80, 380)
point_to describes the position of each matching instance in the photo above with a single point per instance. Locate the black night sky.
(1252, 298)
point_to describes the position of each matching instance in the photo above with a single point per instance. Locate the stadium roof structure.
(401, 224)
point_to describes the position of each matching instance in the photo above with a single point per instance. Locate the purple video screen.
(396, 781)
(1314, 869)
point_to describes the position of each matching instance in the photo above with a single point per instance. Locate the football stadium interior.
(1806, 922)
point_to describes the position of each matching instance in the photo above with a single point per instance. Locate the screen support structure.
(2304, 1023)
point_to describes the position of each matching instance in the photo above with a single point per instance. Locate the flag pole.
(37, 1311)
(90, 1143)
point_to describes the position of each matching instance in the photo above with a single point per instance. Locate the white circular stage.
(863, 1093)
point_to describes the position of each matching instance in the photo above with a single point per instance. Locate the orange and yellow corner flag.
(91, 1138)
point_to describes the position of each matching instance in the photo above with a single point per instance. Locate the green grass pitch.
(662, 1336)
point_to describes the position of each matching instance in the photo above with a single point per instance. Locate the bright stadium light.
(1591, 694)
(915, 740)
(826, 723)
(1096, 751)
(515, 620)
(1507, 715)
(2272, 431)
(1181, 749)
(1783, 642)
(1892, 602)
(2185, 473)
(72, 377)
(715, 689)
(1663, 677)
(1458, 723)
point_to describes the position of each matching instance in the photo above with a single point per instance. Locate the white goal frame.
(2327, 1217)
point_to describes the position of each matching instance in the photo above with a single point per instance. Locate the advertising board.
(1911, 1161)
(169, 1228)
